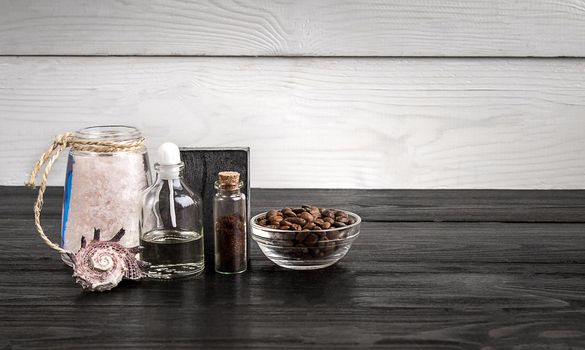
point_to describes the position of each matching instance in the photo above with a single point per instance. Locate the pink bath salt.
(106, 193)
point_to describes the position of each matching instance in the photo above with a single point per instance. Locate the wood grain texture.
(328, 123)
(527, 206)
(402, 286)
(294, 28)
(434, 205)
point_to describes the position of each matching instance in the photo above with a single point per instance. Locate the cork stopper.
(229, 180)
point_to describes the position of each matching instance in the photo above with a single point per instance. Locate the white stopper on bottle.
(169, 155)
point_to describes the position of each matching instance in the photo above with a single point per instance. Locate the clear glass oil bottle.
(229, 217)
(171, 223)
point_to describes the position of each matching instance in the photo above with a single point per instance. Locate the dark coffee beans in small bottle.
(230, 227)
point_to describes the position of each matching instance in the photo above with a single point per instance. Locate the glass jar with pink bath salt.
(103, 189)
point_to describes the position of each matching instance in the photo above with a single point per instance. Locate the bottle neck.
(169, 172)
(229, 192)
(224, 189)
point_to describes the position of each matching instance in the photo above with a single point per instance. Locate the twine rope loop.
(47, 159)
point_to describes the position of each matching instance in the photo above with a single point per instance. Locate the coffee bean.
(301, 236)
(276, 219)
(263, 222)
(341, 214)
(321, 233)
(298, 210)
(310, 226)
(285, 227)
(333, 234)
(289, 213)
(311, 240)
(329, 220)
(272, 213)
(326, 225)
(307, 216)
(296, 227)
(341, 219)
(315, 211)
(297, 220)
(285, 223)
(328, 213)
(339, 224)
(289, 236)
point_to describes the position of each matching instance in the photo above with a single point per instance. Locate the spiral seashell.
(101, 265)
(102, 262)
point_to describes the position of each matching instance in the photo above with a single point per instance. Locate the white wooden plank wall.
(497, 101)
(548, 28)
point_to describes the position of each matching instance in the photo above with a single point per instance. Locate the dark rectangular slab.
(201, 168)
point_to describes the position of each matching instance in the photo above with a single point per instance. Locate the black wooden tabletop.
(430, 270)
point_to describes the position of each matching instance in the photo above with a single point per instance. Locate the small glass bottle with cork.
(230, 228)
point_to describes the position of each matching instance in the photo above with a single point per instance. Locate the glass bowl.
(301, 250)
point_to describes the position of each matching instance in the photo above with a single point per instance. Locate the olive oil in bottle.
(172, 253)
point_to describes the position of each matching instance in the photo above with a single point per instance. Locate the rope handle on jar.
(47, 159)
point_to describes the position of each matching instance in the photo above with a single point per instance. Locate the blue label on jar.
(66, 198)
